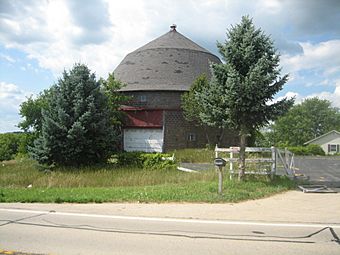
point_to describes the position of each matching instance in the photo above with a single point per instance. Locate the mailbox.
(219, 162)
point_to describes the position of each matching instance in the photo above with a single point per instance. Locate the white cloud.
(7, 58)
(320, 56)
(289, 95)
(334, 96)
(100, 33)
(10, 99)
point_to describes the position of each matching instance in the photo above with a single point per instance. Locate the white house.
(330, 142)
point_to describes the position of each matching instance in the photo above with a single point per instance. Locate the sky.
(41, 38)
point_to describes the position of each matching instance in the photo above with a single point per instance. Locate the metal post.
(286, 157)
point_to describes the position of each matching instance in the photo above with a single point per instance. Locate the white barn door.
(143, 139)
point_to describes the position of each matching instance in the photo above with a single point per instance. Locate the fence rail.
(264, 165)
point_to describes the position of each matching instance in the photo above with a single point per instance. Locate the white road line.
(192, 221)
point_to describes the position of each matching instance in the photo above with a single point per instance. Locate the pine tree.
(76, 127)
(242, 87)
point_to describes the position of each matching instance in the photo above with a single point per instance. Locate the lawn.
(23, 181)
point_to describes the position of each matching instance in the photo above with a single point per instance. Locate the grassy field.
(21, 181)
(194, 155)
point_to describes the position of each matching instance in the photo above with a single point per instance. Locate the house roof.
(321, 136)
(171, 62)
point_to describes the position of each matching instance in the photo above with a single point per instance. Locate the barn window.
(142, 98)
(191, 137)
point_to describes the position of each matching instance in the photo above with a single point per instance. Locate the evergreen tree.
(76, 125)
(242, 87)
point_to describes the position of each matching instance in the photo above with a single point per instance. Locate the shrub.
(156, 161)
(311, 149)
(127, 159)
(315, 149)
(12, 144)
(8, 146)
(143, 160)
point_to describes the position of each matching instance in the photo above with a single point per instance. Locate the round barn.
(156, 75)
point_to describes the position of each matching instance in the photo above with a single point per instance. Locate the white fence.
(268, 161)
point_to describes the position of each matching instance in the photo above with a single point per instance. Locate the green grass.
(110, 184)
(194, 155)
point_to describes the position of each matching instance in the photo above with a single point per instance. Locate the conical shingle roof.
(170, 62)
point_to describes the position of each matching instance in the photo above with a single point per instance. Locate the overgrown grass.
(110, 184)
(20, 174)
(195, 155)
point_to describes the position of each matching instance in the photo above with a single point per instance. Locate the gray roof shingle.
(170, 62)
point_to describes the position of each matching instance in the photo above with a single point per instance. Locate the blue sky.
(41, 38)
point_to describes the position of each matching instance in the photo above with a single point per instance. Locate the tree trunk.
(242, 159)
(220, 137)
(206, 134)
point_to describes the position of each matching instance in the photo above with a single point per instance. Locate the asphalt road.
(77, 233)
(320, 170)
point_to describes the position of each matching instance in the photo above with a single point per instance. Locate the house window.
(142, 98)
(333, 148)
(191, 137)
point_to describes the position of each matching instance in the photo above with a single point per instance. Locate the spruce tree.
(243, 86)
(76, 127)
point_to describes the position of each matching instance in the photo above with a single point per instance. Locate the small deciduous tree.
(191, 107)
(77, 124)
(31, 112)
(243, 86)
(305, 121)
(110, 88)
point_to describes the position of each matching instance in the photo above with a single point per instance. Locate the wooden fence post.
(231, 168)
(273, 170)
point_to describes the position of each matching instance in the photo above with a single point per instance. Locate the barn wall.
(177, 131)
(155, 99)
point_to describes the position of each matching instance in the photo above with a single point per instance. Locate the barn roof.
(170, 62)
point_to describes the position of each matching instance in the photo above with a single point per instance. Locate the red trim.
(144, 119)
(133, 108)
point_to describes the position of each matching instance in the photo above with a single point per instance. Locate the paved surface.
(79, 233)
(288, 223)
(316, 170)
(293, 222)
(292, 206)
(9, 252)
(320, 170)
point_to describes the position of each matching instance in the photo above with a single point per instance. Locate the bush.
(127, 159)
(157, 161)
(143, 160)
(315, 149)
(309, 150)
(9, 144)
(12, 144)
